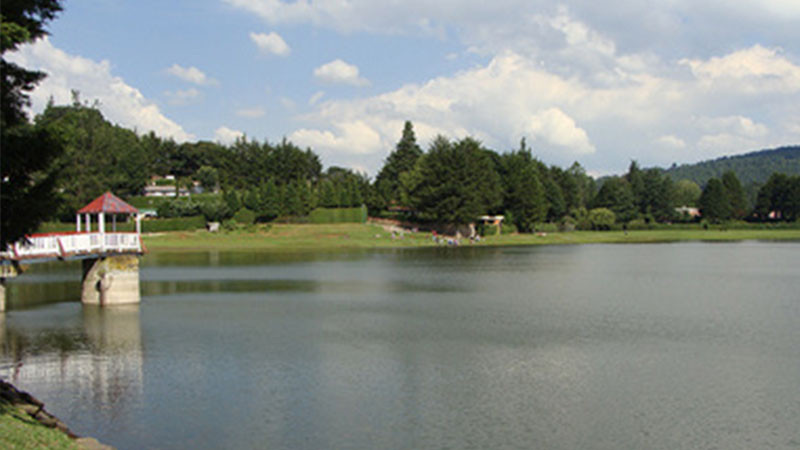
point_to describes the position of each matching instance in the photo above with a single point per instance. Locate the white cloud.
(355, 137)
(559, 129)
(191, 75)
(671, 142)
(271, 43)
(182, 97)
(753, 70)
(119, 102)
(340, 72)
(737, 125)
(251, 113)
(225, 135)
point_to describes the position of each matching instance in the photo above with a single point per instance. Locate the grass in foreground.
(353, 236)
(18, 430)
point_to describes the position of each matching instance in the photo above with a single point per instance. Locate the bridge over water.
(110, 258)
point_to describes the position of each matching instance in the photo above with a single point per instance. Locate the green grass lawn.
(19, 431)
(350, 236)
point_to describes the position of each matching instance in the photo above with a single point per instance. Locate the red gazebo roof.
(108, 203)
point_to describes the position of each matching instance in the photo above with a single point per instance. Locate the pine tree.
(714, 203)
(401, 160)
(735, 194)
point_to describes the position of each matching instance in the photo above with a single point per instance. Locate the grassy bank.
(18, 430)
(352, 236)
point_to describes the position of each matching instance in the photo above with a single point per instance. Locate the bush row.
(338, 215)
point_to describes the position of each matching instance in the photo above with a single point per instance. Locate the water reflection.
(91, 355)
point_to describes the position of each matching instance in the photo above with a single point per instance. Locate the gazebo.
(107, 203)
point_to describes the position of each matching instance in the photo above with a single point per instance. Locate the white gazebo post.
(138, 223)
(102, 222)
(78, 223)
(114, 223)
(88, 223)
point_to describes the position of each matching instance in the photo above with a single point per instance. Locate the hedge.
(174, 224)
(338, 215)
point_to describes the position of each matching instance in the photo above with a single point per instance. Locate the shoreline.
(26, 423)
(338, 237)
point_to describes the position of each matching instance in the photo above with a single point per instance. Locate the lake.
(658, 346)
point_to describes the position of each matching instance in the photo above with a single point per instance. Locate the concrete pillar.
(112, 280)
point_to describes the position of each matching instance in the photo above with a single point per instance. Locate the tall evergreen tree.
(616, 195)
(456, 182)
(714, 203)
(735, 194)
(523, 194)
(401, 160)
(269, 207)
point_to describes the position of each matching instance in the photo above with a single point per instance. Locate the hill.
(751, 168)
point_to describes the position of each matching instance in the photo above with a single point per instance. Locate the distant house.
(689, 211)
(165, 187)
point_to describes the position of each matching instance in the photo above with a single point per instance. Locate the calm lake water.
(667, 346)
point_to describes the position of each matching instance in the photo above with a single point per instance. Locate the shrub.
(547, 227)
(245, 216)
(639, 224)
(601, 218)
(486, 229)
(568, 224)
(581, 216)
(178, 207)
(338, 215)
(174, 224)
(508, 228)
(215, 210)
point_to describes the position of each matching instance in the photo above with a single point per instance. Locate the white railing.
(75, 244)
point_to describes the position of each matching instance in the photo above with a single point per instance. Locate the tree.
(714, 203)
(735, 194)
(557, 207)
(687, 193)
(401, 160)
(523, 194)
(601, 218)
(636, 180)
(269, 207)
(208, 177)
(781, 196)
(232, 201)
(586, 184)
(616, 195)
(27, 176)
(457, 182)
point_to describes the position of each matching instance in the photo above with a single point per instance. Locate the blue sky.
(597, 82)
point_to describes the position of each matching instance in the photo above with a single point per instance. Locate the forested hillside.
(754, 167)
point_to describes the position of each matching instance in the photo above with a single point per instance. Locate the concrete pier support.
(112, 280)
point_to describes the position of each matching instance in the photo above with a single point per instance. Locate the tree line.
(452, 182)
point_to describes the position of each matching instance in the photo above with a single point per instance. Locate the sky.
(601, 83)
